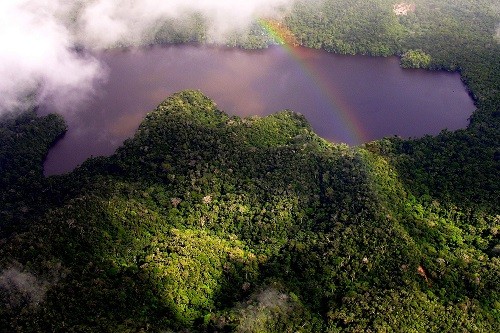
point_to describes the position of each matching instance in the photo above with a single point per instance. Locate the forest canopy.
(205, 222)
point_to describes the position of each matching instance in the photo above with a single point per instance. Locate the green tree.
(415, 59)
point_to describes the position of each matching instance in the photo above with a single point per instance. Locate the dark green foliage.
(24, 142)
(208, 222)
(347, 26)
(204, 222)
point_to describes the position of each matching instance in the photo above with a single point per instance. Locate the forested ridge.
(204, 222)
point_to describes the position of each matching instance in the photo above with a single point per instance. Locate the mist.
(21, 288)
(37, 60)
(46, 56)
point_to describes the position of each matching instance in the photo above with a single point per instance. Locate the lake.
(350, 99)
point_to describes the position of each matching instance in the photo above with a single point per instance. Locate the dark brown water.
(351, 99)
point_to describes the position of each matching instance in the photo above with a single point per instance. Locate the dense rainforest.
(203, 222)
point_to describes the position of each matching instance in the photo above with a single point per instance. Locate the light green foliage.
(208, 222)
(415, 59)
(204, 222)
(267, 310)
(193, 272)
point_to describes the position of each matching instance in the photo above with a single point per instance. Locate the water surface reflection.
(349, 99)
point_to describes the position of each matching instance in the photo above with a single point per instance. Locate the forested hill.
(204, 222)
(460, 167)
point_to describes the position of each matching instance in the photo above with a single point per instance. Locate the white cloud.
(37, 54)
(104, 23)
(38, 39)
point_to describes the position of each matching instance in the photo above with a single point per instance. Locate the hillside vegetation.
(208, 222)
(203, 222)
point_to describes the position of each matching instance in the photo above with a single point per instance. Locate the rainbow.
(340, 108)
